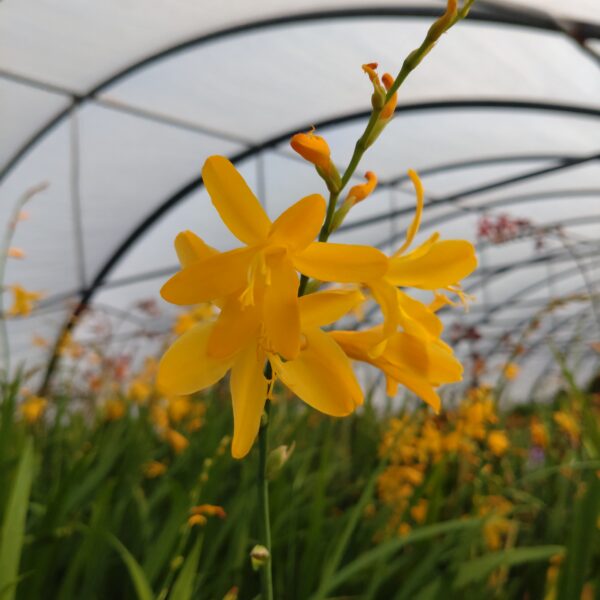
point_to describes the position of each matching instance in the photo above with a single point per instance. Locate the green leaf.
(480, 568)
(138, 577)
(13, 527)
(385, 550)
(184, 586)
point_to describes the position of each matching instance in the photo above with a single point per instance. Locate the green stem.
(263, 498)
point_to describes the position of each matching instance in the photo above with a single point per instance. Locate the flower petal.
(323, 308)
(186, 367)
(239, 208)
(446, 263)
(321, 376)
(299, 225)
(235, 327)
(190, 248)
(345, 263)
(419, 313)
(248, 395)
(416, 222)
(215, 277)
(281, 314)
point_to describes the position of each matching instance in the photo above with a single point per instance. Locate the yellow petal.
(323, 308)
(239, 208)
(345, 263)
(299, 225)
(186, 367)
(419, 386)
(190, 248)
(236, 326)
(416, 222)
(386, 296)
(281, 312)
(321, 376)
(209, 279)
(419, 313)
(446, 263)
(248, 395)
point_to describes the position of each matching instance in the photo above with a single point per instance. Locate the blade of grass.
(13, 526)
(184, 584)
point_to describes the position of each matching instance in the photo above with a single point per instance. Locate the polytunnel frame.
(577, 31)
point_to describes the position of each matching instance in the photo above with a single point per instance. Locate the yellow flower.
(568, 424)
(154, 469)
(320, 375)
(177, 441)
(178, 407)
(419, 511)
(114, 410)
(33, 408)
(266, 267)
(418, 365)
(539, 433)
(139, 391)
(497, 442)
(23, 301)
(511, 370)
(434, 265)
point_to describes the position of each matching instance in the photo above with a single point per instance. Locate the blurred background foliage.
(137, 496)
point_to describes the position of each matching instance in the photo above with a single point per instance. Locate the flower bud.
(315, 150)
(277, 458)
(259, 557)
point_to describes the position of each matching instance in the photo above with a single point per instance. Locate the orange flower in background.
(154, 469)
(176, 440)
(23, 301)
(33, 408)
(498, 443)
(114, 410)
(511, 371)
(14, 252)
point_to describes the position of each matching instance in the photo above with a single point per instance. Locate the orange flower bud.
(312, 148)
(390, 105)
(361, 191)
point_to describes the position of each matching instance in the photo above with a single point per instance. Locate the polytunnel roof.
(115, 106)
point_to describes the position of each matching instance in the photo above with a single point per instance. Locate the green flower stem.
(263, 497)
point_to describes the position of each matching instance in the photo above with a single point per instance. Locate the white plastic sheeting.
(494, 102)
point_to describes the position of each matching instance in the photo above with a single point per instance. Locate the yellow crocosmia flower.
(539, 433)
(390, 106)
(114, 410)
(418, 365)
(178, 407)
(419, 511)
(320, 375)
(267, 267)
(498, 443)
(176, 440)
(23, 301)
(154, 469)
(511, 370)
(33, 408)
(567, 423)
(432, 266)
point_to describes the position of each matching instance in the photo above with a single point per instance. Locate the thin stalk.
(263, 498)
(4, 249)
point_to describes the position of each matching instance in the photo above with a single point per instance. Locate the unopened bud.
(277, 458)
(259, 557)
